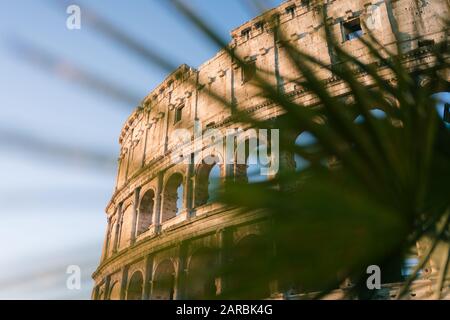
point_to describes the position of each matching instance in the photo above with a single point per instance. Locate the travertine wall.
(147, 142)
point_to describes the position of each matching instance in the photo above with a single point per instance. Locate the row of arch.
(208, 177)
(202, 273)
(208, 180)
(245, 274)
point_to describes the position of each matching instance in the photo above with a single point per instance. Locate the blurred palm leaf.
(389, 187)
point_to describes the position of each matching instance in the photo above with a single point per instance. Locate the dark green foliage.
(388, 187)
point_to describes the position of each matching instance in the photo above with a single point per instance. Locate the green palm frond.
(389, 185)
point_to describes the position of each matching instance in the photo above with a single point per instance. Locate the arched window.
(214, 180)
(135, 286)
(124, 234)
(304, 139)
(443, 107)
(248, 272)
(173, 197)
(180, 194)
(114, 292)
(250, 166)
(201, 275)
(101, 295)
(164, 281)
(376, 113)
(146, 211)
(112, 236)
(207, 183)
(255, 166)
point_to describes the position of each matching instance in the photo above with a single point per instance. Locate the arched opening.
(112, 237)
(207, 183)
(201, 276)
(305, 139)
(443, 107)
(214, 181)
(146, 211)
(251, 160)
(101, 294)
(173, 197)
(249, 276)
(135, 286)
(410, 262)
(164, 281)
(376, 113)
(255, 165)
(114, 292)
(124, 236)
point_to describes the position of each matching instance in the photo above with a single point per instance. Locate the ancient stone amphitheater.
(165, 233)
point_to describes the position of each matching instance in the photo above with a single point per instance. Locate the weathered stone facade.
(162, 228)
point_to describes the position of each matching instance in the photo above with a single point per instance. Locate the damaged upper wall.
(143, 135)
(185, 95)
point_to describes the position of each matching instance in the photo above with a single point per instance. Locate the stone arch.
(101, 294)
(112, 236)
(249, 277)
(201, 275)
(125, 225)
(164, 281)
(304, 139)
(208, 176)
(114, 291)
(247, 166)
(146, 208)
(243, 147)
(381, 114)
(173, 197)
(377, 113)
(135, 286)
(443, 106)
(288, 135)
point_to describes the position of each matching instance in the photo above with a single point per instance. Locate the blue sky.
(52, 210)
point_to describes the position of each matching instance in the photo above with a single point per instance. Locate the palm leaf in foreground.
(388, 191)
(387, 188)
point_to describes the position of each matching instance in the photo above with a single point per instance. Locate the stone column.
(158, 201)
(119, 169)
(166, 129)
(107, 239)
(232, 84)
(287, 162)
(278, 77)
(229, 160)
(180, 277)
(148, 278)
(118, 228)
(196, 93)
(135, 219)
(107, 284)
(225, 243)
(128, 157)
(94, 295)
(146, 134)
(124, 283)
(190, 176)
(185, 183)
(277, 289)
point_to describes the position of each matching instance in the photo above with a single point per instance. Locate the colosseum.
(165, 232)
